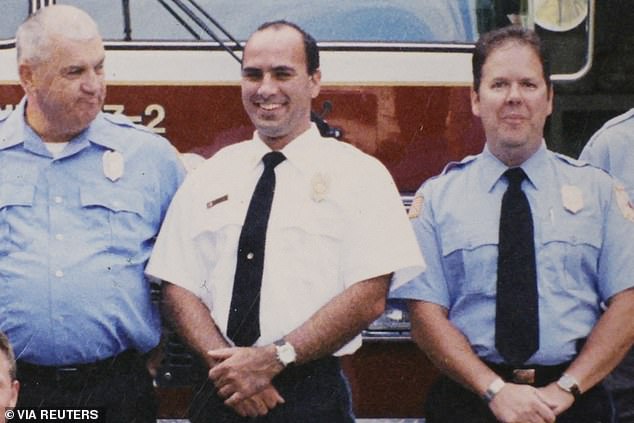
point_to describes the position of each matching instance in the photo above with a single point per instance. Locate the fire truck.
(396, 84)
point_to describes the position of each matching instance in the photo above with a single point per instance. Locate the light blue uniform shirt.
(582, 244)
(612, 149)
(74, 243)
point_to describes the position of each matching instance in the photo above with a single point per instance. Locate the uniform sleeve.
(597, 151)
(379, 239)
(431, 285)
(175, 257)
(172, 174)
(616, 262)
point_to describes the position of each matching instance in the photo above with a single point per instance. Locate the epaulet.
(457, 165)
(616, 120)
(120, 119)
(571, 161)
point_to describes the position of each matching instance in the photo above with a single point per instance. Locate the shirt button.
(59, 237)
(250, 256)
(58, 199)
(59, 273)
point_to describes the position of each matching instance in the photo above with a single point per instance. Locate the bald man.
(83, 196)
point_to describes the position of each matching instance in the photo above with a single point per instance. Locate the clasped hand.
(523, 403)
(243, 377)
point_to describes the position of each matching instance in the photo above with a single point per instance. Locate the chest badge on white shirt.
(320, 186)
(113, 165)
(572, 197)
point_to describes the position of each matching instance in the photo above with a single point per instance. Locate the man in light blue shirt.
(612, 149)
(82, 196)
(582, 226)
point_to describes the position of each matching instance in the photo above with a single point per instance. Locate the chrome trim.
(585, 69)
(385, 336)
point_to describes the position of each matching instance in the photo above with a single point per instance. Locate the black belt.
(72, 373)
(529, 375)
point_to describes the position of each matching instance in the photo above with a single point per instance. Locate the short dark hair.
(5, 348)
(311, 49)
(490, 41)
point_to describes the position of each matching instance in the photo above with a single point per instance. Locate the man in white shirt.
(336, 233)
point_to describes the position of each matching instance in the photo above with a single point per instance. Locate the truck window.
(9, 22)
(328, 20)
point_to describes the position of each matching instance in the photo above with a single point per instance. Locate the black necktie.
(517, 316)
(244, 315)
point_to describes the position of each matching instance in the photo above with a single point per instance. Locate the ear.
(15, 389)
(475, 103)
(551, 94)
(26, 77)
(315, 83)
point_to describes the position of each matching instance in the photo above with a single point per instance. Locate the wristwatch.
(285, 352)
(569, 384)
(494, 388)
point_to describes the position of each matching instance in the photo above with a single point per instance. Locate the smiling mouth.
(269, 107)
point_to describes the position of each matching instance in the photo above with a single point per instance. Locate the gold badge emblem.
(572, 197)
(320, 186)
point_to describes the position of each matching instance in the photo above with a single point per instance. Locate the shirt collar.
(16, 131)
(13, 131)
(534, 168)
(102, 132)
(297, 152)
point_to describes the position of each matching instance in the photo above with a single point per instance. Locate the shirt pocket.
(470, 258)
(16, 203)
(216, 236)
(312, 234)
(119, 216)
(570, 254)
(309, 219)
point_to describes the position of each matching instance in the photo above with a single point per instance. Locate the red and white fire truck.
(396, 81)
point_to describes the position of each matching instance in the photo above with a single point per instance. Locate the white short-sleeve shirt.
(336, 219)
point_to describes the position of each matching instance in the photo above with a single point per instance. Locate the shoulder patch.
(416, 207)
(624, 203)
(457, 165)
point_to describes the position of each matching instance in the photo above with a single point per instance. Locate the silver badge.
(113, 165)
(572, 197)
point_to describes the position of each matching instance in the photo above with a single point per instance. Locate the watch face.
(568, 383)
(286, 353)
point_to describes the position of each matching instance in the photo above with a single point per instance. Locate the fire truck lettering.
(113, 108)
(157, 113)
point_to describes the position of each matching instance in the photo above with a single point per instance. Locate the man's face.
(276, 88)
(69, 87)
(8, 388)
(513, 100)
